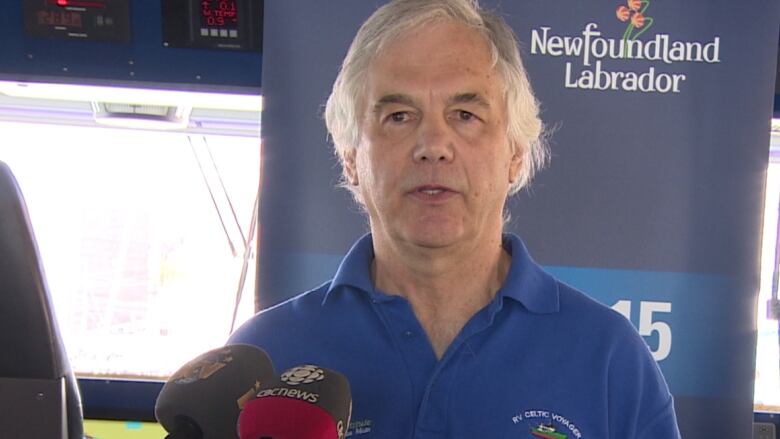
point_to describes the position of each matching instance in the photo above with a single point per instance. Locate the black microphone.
(306, 402)
(203, 398)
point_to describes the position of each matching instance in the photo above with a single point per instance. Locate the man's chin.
(435, 239)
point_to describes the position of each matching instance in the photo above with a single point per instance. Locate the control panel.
(87, 20)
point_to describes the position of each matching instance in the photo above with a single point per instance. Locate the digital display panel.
(213, 24)
(83, 20)
(59, 18)
(219, 13)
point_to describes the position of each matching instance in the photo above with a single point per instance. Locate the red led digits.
(219, 13)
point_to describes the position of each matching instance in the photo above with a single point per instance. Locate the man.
(444, 325)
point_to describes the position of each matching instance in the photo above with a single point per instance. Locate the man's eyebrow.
(393, 99)
(460, 98)
(469, 98)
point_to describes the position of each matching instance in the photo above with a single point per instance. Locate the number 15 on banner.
(647, 325)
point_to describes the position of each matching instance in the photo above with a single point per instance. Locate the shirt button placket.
(433, 412)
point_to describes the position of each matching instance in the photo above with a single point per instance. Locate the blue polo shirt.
(541, 360)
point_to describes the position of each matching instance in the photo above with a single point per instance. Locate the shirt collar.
(355, 269)
(526, 282)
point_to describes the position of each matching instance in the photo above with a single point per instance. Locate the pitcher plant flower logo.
(635, 15)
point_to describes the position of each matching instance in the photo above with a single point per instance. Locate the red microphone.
(306, 402)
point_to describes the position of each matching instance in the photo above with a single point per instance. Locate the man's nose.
(434, 142)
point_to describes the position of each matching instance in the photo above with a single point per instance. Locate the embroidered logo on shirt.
(303, 375)
(546, 424)
(360, 427)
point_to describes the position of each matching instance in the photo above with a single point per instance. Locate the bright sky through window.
(142, 236)
(767, 386)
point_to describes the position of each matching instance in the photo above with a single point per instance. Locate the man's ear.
(515, 164)
(350, 168)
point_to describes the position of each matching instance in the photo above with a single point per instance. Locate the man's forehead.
(439, 42)
(443, 62)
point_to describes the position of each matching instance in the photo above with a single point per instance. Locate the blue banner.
(659, 116)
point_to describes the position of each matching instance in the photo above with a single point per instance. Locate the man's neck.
(445, 286)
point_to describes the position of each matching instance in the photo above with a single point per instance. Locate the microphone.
(306, 402)
(203, 398)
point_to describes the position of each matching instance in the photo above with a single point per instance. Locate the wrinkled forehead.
(435, 56)
(456, 34)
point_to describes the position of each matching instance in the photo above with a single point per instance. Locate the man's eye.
(399, 116)
(465, 115)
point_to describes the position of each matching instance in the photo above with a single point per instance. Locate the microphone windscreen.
(202, 400)
(307, 401)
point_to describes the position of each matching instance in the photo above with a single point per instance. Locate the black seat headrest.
(30, 342)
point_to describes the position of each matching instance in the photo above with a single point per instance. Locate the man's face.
(434, 164)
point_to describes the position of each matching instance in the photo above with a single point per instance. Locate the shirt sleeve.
(640, 404)
(663, 425)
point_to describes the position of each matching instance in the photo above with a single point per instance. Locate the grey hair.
(344, 107)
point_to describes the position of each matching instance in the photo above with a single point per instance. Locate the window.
(767, 387)
(147, 237)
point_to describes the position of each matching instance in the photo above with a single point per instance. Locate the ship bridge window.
(148, 238)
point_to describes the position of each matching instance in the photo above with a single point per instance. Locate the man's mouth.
(432, 189)
(433, 192)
